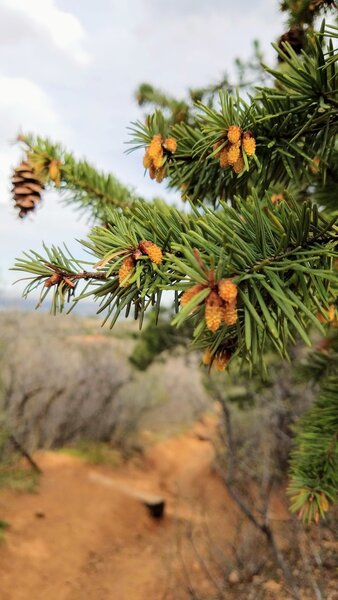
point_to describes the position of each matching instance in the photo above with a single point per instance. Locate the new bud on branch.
(213, 311)
(190, 293)
(230, 148)
(157, 154)
(126, 270)
(220, 303)
(227, 290)
(152, 250)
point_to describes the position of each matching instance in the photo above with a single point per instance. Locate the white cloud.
(201, 41)
(61, 27)
(23, 106)
(21, 100)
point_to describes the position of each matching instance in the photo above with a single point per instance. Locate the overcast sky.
(69, 69)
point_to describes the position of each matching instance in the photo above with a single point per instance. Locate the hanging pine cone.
(295, 37)
(26, 189)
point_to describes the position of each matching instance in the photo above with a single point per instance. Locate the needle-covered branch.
(314, 464)
(303, 12)
(57, 270)
(249, 278)
(293, 127)
(47, 164)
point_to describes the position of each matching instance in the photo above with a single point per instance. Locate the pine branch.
(304, 12)
(294, 125)
(178, 110)
(314, 463)
(78, 182)
(278, 256)
(322, 362)
(57, 271)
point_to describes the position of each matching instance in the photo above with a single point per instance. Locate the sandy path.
(95, 543)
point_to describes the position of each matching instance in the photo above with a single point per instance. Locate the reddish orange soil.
(78, 540)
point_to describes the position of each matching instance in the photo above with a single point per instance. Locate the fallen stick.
(155, 504)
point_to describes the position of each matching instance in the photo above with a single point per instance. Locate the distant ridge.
(11, 302)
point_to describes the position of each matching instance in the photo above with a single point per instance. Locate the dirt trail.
(95, 543)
